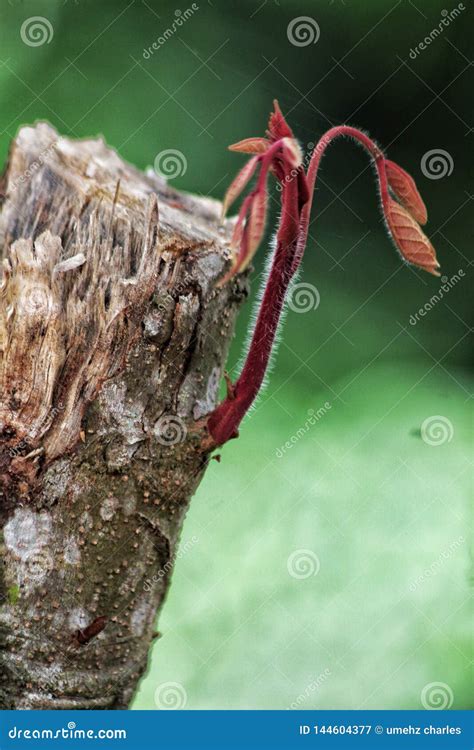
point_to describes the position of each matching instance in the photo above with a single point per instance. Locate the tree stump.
(113, 337)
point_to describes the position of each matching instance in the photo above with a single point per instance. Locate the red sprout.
(403, 211)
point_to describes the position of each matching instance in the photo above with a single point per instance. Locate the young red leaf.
(251, 146)
(248, 232)
(239, 241)
(238, 184)
(409, 238)
(255, 227)
(237, 235)
(404, 187)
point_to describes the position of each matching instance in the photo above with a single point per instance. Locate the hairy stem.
(297, 196)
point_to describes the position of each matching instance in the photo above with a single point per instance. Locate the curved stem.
(311, 175)
(297, 198)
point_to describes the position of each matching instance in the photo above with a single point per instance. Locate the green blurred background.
(334, 573)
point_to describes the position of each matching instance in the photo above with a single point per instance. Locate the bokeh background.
(333, 573)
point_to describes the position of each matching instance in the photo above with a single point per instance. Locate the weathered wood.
(113, 337)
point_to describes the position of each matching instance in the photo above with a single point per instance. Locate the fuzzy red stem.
(224, 421)
(297, 197)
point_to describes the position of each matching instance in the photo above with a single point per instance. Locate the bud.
(277, 125)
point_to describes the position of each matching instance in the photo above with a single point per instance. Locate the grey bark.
(113, 338)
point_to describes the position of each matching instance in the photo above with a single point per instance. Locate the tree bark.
(113, 337)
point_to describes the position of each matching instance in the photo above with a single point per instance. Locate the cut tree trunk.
(113, 337)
